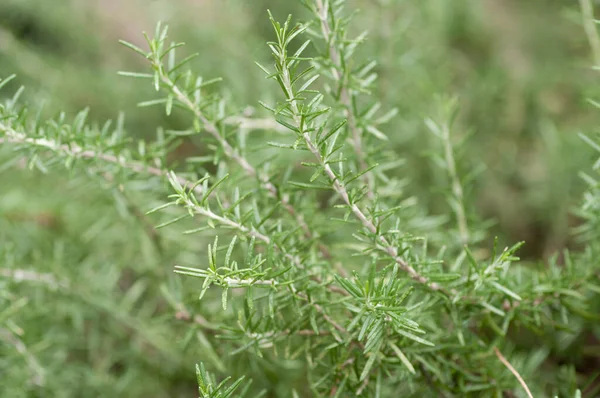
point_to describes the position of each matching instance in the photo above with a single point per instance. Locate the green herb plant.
(321, 277)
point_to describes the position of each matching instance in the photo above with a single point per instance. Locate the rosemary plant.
(320, 277)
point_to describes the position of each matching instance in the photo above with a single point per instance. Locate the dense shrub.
(310, 258)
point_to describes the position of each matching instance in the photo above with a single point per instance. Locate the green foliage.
(328, 270)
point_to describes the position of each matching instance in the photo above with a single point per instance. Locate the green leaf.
(272, 303)
(134, 48)
(262, 68)
(349, 286)
(505, 290)
(369, 319)
(413, 337)
(493, 309)
(279, 145)
(173, 221)
(377, 133)
(308, 83)
(368, 366)
(304, 73)
(183, 62)
(287, 125)
(224, 298)
(332, 131)
(158, 101)
(234, 386)
(163, 206)
(169, 105)
(210, 190)
(229, 251)
(136, 75)
(589, 141)
(5, 81)
(363, 172)
(402, 358)
(375, 337)
(309, 186)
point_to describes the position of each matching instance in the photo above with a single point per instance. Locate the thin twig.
(513, 371)
(345, 97)
(14, 137)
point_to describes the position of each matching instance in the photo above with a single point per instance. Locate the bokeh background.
(520, 70)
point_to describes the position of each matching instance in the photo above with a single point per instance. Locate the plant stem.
(74, 150)
(212, 129)
(345, 98)
(382, 244)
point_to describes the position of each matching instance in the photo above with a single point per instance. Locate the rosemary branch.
(212, 129)
(345, 97)
(382, 244)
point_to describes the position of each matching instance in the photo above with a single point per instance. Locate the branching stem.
(230, 152)
(382, 243)
(345, 97)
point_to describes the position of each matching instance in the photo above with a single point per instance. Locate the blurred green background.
(520, 69)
